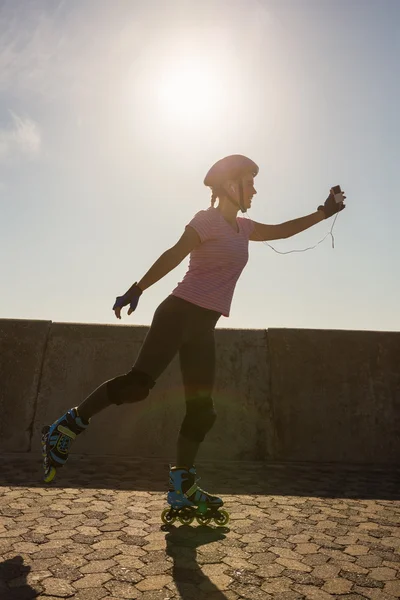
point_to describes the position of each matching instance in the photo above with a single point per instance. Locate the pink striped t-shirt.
(216, 264)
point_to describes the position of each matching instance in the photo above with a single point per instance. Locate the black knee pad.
(200, 417)
(131, 387)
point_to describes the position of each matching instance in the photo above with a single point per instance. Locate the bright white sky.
(111, 113)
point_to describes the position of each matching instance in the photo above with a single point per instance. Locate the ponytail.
(214, 197)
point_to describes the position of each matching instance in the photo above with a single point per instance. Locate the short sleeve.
(203, 224)
(247, 226)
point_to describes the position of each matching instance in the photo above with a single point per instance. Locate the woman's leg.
(197, 361)
(197, 358)
(159, 348)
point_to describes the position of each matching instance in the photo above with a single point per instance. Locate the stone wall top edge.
(317, 330)
(218, 329)
(15, 320)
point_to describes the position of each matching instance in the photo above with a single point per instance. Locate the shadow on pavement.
(13, 585)
(181, 545)
(243, 478)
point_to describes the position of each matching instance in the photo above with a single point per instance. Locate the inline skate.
(188, 501)
(57, 439)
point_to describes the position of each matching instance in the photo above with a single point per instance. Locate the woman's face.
(248, 190)
(232, 188)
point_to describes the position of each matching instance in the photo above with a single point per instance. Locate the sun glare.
(189, 90)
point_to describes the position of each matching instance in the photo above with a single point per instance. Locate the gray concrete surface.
(22, 349)
(289, 395)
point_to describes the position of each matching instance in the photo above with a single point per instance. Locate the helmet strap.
(241, 203)
(234, 201)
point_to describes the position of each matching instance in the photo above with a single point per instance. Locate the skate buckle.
(66, 432)
(192, 490)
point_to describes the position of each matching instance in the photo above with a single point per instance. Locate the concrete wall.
(295, 395)
(22, 349)
(336, 395)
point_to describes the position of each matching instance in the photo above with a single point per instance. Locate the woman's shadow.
(13, 585)
(182, 543)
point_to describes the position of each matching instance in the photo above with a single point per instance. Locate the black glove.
(131, 297)
(331, 207)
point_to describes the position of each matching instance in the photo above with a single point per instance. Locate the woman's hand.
(131, 297)
(330, 206)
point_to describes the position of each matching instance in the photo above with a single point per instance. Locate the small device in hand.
(337, 194)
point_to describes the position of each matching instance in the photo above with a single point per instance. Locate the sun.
(189, 90)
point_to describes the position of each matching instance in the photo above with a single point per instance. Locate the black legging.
(180, 326)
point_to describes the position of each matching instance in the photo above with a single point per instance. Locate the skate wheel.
(222, 518)
(49, 476)
(186, 516)
(166, 517)
(203, 520)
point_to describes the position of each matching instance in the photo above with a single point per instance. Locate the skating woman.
(217, 241)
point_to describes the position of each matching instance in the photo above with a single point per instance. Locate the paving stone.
(72, 560)
(48, 553)
(62, 571)
(286, 553)
(228, 595)
(326, 571)
(214, 581)
(103, 554)
(263, 559)
(238, 563)
(125, 574)
(119, 589)
(303, 578)
(153, 582)
(369, 561)
(293, 564)
(357, 550)
(288, 595)
(240, 575)
(361, 579)
(301, 538)
(155, 568)
(97, 566)
(125, 560)
(383, 574)
(58, 587)
(314, 593)
(337, 586)
(315, 559)
(393, 587)
(306, 548)
(351, 597)
(274, 585)
(372, 593)
(250, 592)
(91, 594)
(267, 571)
(92, 580)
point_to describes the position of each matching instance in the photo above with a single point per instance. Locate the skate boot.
(57, 439)
(188, 502)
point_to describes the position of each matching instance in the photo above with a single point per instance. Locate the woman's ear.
(229, 186)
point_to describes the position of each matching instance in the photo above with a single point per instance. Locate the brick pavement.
(295, 532)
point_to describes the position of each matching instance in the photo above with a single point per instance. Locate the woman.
(217, 241)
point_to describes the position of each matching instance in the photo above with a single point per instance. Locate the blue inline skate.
(57, 439)
(188, 502)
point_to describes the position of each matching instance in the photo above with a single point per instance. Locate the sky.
(111, 113)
